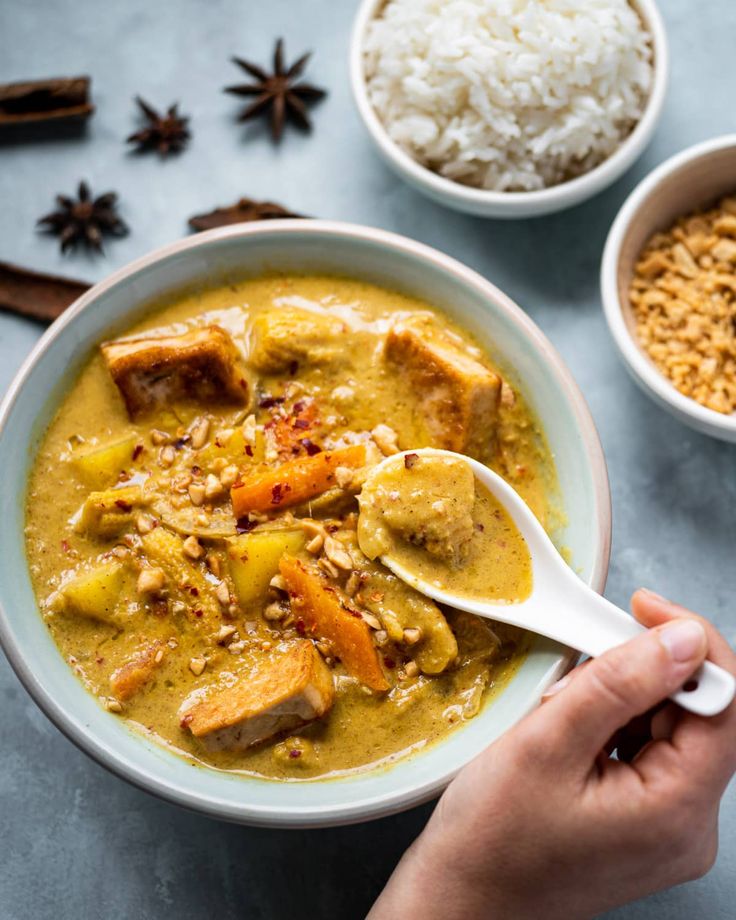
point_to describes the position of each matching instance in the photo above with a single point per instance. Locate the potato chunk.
(289, 689)
(94, 594)
(288, 335)
(202, 365)
(459, 396)
(254, 559)
(99, 466)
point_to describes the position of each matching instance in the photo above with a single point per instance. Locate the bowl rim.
(115, 759)
(641, 368)
(525, 203)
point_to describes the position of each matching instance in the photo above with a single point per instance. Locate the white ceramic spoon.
(561, 606)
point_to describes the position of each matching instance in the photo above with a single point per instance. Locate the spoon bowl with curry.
(457, 532)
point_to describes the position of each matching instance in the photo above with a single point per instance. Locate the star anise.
(85, 220)
(277, 92)
(167, 133)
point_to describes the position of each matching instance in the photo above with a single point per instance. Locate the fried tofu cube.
(131, 677)
(292, 687)
(202, 365)
(459, 396)
(286, 336)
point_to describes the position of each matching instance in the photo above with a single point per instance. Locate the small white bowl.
(485, 203)
(695, 177)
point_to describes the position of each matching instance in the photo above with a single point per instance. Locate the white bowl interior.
(309, 247)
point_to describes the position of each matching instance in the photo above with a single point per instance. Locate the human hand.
(545, 824)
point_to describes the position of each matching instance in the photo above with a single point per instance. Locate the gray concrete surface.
(76, 842)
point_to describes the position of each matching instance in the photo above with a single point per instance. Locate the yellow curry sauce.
(196, 560)
(428, 514)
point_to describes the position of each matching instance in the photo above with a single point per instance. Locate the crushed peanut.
(225, 634)
(249, 430)
(228, 476)
(113, 705)
(222, 592)
(197, 493)
(199, 432)
(166, 456)
(274, 612)
(337, 554)
(197, 666)
(411, 669)
(212, 487)
(150, 580)
(315, 544)
(683, 296)
(343, 476)
(412, 635)
(193, 548)
(386, 439)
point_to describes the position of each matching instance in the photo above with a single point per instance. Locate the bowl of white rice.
(509, 108)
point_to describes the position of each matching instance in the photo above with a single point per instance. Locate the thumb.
(623, 683)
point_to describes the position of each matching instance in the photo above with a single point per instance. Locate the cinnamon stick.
(37, 295)
(243, 211)
(45, 100)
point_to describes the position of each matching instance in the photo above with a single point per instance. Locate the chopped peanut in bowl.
(193, 523)
(683, 296)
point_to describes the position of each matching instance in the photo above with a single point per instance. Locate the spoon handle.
(597, 625)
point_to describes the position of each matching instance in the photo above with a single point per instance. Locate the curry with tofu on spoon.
(192, 525)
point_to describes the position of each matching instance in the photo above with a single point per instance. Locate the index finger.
(703, 747)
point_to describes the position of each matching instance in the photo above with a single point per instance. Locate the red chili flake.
(479, 527)
(123, 476)
(249, 450)
(268, 402)
(217, 442)
(300, 627)
(301, 423)
(276, 494)
(293, 368)
(123, 505)
(196, 470)
(389, 662)
(186, 720)
(410, 460)
(310, 447)
(193, 591)
(198, 612)
(299, 406)
(244, 557)
(294, 752)
(99, 660)
(243, 384)
(137, 451)
(243, 525)
(182, 442)
(65, 545)
(354, 613)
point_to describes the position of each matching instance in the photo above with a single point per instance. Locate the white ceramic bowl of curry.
(231, 260)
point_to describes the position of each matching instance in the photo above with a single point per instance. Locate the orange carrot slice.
(270, 489)
(325, 614)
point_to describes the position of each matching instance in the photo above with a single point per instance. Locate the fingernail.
(556, 687)
(683, 639)
(655, 596)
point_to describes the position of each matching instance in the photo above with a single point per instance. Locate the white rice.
(510, 95)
